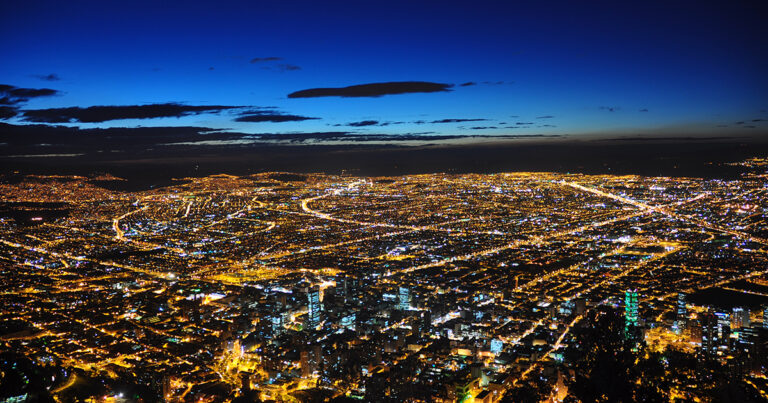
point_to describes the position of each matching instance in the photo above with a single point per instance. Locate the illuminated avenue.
(312, 287)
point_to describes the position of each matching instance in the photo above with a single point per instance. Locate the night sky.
(389, 68)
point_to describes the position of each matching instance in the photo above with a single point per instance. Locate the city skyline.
(437, 288)
(346, 201)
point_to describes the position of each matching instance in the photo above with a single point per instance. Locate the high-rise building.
(630, 314)
(310, 360)
(348, 321)
(581, 306)
(681, 319)
(682, 310)
(708, 332)
(740, 318)
(277, 323)
(630, 307)
(314, 307)
(404, 299)
(748, 334)
(496, 346)
(723, 324)
(347, 287)
(765, 316)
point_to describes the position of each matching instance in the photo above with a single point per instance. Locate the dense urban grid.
(312, 287)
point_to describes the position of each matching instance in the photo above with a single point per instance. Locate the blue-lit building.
(765, 317)
(404, 299)
(681, 320)
(630, 314)
(630, 307)
(314, 307)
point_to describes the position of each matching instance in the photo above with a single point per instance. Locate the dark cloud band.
(268, 116)
(364, 123)
(457, 120)
(265, 59)
(98, 114)
(373, 90)
(12, 95)
(47, 77)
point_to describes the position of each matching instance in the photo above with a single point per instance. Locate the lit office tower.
(277, 323)
(709, 341)
(739, 318)
(313, 308)
(630, 315)
(682, 311)
(404, 299)
(723, 324)
(765, 316)
(630, 308)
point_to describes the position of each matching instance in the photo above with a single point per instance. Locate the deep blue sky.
(645, 67)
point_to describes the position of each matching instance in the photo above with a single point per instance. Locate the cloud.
(74, 139)
(644, 110)
(12, 95)
(132, 142)
(32, 92)
(288, 67)
(348, 137)
(373, 90)
(364, 123)
(545, 117)
(98, 114)
(270, 116)
(523, 123)
(47, 77)
(758, 120)
(265, 59)
(610, 108)
(482, 127)
(7, 112)
(467, 84)
(282, 67)
(457, 120)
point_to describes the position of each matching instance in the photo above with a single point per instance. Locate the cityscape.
(343, 201)
(422, 288)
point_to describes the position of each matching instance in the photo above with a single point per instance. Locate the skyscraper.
(682, 311)
(313, 308)
(277, 323)
(765, 316)
(404, 299)
(708, 332)
(681, 321)
(723, 324)
(630, 314)
(739, 318)
(630, 307)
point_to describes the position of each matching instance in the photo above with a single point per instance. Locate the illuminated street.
(276, 284)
